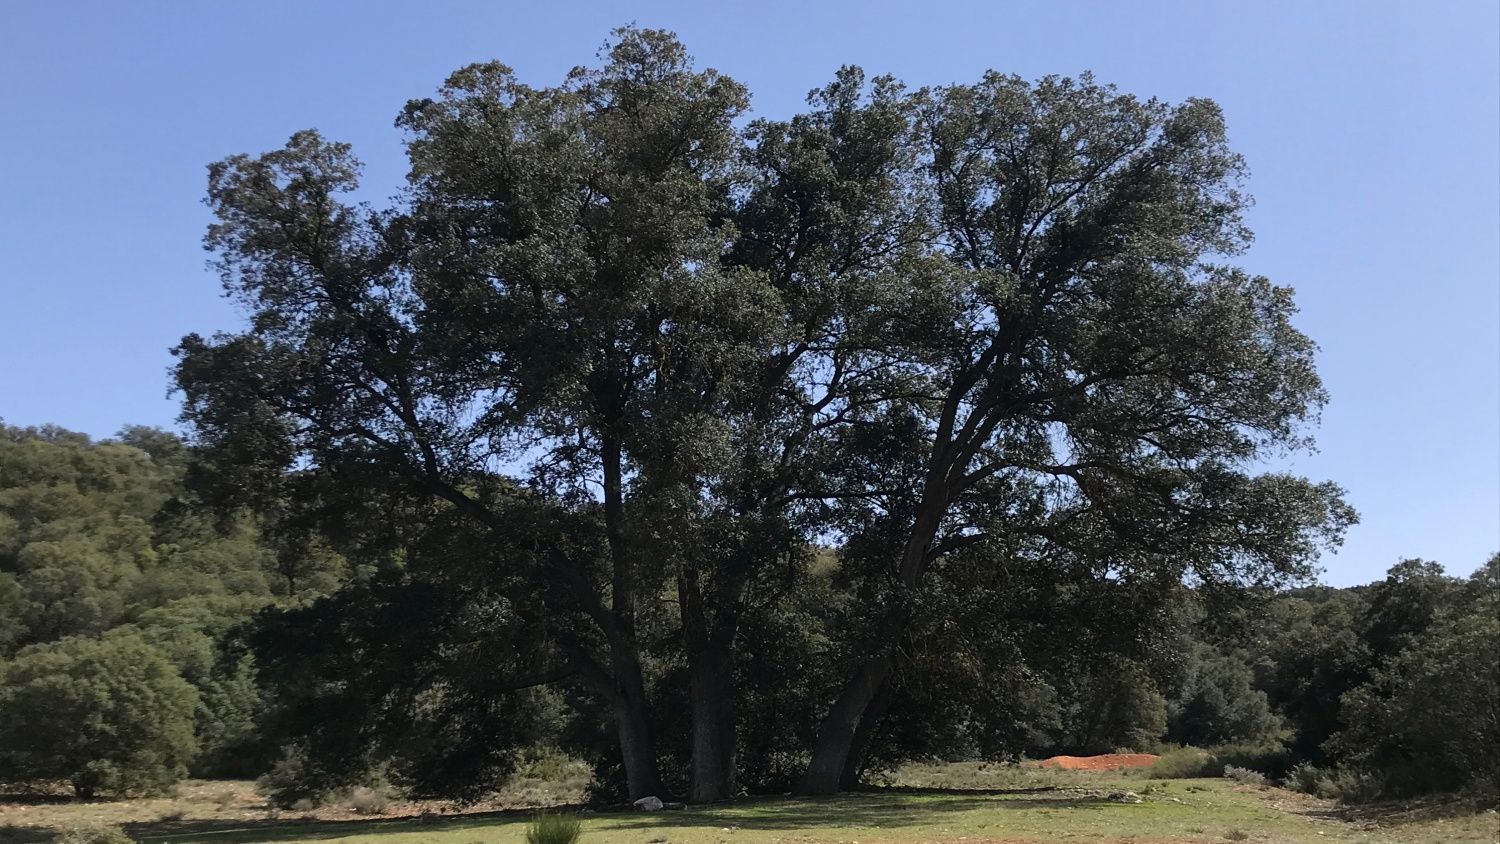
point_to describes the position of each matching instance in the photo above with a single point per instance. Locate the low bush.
(1344, 784)
(368, 801)
(289, 784)
(1244, 776)
(548, 828)
(1307, 778)
(550, 765)
(1271, 761)
(1182, 763)
(1352, 786)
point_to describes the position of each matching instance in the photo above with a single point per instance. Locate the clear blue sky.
(1372, 130)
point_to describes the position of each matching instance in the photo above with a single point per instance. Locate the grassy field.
(954, 803)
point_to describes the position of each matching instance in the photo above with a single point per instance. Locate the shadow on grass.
(1407, 812)
(886, 808)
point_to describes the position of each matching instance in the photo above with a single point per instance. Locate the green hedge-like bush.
(1193, 762)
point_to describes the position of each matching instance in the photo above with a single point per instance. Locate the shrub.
(549, 765)
(1244, 776)
(287, 784)
(1182, 763)
(106, 715)
(1194, 762)
(549, 828)
(1308, 779)
(1273, 760)
(368, 801)
(1352, 786)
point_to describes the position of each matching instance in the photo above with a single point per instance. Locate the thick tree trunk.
(825, 773)
(638, 750)
(708, 633)
(864, 736)
(632, 707)
(620, 684)
(835, 751)
(713, 765)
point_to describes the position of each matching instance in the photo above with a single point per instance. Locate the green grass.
(1174, 811)
(935, 804)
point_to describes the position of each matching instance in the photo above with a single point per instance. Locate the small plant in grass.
(1244, 776)
(1237, 835)
(550, 828)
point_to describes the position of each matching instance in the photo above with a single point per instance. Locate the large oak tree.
(655, 354)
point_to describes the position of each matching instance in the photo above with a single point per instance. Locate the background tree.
(1219, 704)
(1312, 652)
(1429, 718)
(104, 539)
(108, 715)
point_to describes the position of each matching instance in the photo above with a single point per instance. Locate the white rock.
(649, 804)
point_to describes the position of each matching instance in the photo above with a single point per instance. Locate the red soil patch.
(1106, 762)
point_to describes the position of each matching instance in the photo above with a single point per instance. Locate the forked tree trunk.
(835, 753)
(831, 755)
(864, 735)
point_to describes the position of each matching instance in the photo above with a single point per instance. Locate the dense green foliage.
(1390, 688)
(1428, 719)
(118, 592)
(108, 715)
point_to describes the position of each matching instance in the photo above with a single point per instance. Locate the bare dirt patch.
(1103, 762)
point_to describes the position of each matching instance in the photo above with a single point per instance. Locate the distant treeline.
(148, 633)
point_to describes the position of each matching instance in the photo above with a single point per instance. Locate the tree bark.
(831, 754)
(864, 735)
(708, 634)
(638, 747)
(714, 749)
(835, 751)
(632, 707)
